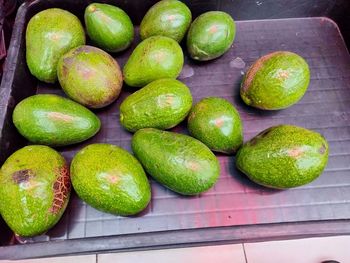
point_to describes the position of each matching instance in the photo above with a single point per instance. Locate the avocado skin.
(275, 81)
(90, 76)
(50, 34)
(53, 120)
(283, 156)
(210, 35)
(35, 190)
(110, 179)
(154, 58)
(109, 27)
(170, 18)
(161, 104)
(179, 162)
(215, 122)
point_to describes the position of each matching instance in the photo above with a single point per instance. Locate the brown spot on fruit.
(159, 56)
(322, 150)
(219, 122)
(55, 37)
(22, 176)
(92, 8)
(295, 152)
(112, 178)
(61, 189)
(169, 100)
(213, 29)
(58, 116)
(193, 166)
(85, 72)
(171, 17)
(282, 74)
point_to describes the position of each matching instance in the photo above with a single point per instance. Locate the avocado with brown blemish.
(154, 58)
(35, 189)
(283, 156)
(110, 179)
(50, 34)
(275, 81)
(90, 76)
(179, 162)
(170, 18)
(53, 120)
(210, 35)
(215, 122)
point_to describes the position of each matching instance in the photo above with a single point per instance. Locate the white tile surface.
(310, 250)
(73, 259)
(205, 254)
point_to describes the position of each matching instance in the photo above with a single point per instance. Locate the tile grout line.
(96, 258)
(245, 255)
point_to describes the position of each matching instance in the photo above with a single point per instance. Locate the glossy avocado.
(35, 189)
(109, 27)
(110, 179)
(275, 81)
(179, 162)
(161, 104)
(215, 122)
(154, 58)
(50, 34)
(90, 76)
(283, 156)
(170, 18)
(210, 35)
(53, 120)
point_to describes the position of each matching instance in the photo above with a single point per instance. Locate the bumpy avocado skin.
(276, 81)
(109, 27)
(161, 104)
(53, 120)
(215, 122)
(35, 189)
(90, 76)
(110, 179)
(154, 58)
(50, 34)
(170, 18)
(179, 162)
(210, 35)
(283, 156)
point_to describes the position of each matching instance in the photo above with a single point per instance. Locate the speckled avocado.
(109, 27)
(53, 120)
(161, 104)
(170, 18)
(283, 156)
(275, 81)
(154, 58)
(179, 162)
(110, 179)
(35, 189)
(210, 35)
(90, 76)
(215, 122)
(50, 34)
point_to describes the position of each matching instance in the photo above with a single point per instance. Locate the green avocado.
(215, 122)
(35, 189)
(154, 58)
(179, 162)
(210, 35)
(110, 179)
(90, 76)
(53, 120)
(109, 27)
(283, 156)
(275, 81)
(169, 18)
(50, 34)
(161, 104)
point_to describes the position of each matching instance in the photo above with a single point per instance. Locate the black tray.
(236, 209)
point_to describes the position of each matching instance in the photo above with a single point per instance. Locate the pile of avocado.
(35, 181)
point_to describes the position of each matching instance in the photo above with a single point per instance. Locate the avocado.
(50, 34)
(90, 76)
(215, 122)
(275, 81)
(53, 120)
(35, 189)
(110, 179)
(283, 156)
(109, 27)
(210, 35)
(154, 58)
(179, 162)
(161, 104)
(169, 18)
